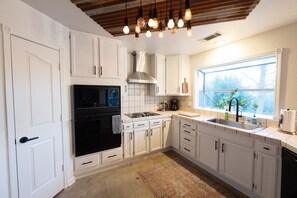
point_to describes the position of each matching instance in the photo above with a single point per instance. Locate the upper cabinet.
(177, 75)
(158, 70)
(93, 56)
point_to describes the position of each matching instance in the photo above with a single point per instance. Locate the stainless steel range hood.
(139, 76)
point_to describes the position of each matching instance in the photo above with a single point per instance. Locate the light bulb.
(148, 34)
(141, 22)
(126, 30)
(151, 22)
(180, 23)
(173, 30)
(156, 23)
(189, 32)
(137, 29)
(188, 14)
(161, 34)
(170, 24)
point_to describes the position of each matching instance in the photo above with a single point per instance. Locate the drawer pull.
(111, 156)
(223, 147)
(187, 149)
(85, 163)
(266, 148)
(187, 131)
(187, 125)
(127, 126)
(187, 139)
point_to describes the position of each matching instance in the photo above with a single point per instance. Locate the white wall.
(284, 37)
(31, 24)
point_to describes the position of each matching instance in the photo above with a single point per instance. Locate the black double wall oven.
(97, 111)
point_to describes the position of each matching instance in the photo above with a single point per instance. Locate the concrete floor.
(123, 181)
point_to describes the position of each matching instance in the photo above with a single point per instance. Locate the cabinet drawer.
(188, 131)
(127, 126)
(188, 139)
(108, 156)
(141, 124)
(85, 162)
(267, 148)
(155, 122)
(188, 125)
(187, 149)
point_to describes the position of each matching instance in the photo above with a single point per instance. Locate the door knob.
(26, 139)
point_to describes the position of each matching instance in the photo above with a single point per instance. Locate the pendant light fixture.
(180, 22)
(151, 21)
(160, 27)
(155, 19)
(189, 28)
(148, 32)
(137, 27)
(140, 20)
(188, 12)
(166, 17)
(171, 19)
(126, 29)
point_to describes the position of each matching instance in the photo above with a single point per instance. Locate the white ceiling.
(269, 14)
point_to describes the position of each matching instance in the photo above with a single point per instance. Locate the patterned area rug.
(177, 177)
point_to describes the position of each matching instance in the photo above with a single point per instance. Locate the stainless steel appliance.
(163, 106)
(141, 114)
(289, 174)
(174, 105)
(97, 120)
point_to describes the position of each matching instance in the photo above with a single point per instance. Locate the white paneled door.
(36, 90)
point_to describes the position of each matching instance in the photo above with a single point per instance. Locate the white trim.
(278, 53)
(11, 136)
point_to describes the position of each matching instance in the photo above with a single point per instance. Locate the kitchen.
(36, 26)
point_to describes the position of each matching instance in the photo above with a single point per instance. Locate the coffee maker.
(174, 105)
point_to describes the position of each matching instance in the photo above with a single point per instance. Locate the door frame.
(7, 33)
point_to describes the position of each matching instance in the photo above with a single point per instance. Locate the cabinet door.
(128, 144)
(172, 75)
(156, 138)
(141, 142)
(236, 163)
(84, 55)
(208, 151)
(266, 175)
(167, 134)
(109, 58)
(184, 73)
(158, 71)
(175, 133)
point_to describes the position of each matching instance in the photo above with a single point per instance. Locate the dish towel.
(116, 124)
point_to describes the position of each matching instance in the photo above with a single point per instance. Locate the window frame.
(278, 55)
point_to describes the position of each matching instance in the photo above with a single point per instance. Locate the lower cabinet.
(176, 133)
(167, 133)
(236, 163)
(207, 150)
(155, 138)
(141, 141)
(112, 155)
(128, 143)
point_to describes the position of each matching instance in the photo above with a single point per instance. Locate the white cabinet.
(175, 133)
(124, 64)
(167, 134)
(208, 150)
(236, 163)
(112, 155)
(109, 58)
(84, 55)
(177, 69)
(158, 66)
(266, 170)
(141, 141)
(87, 162)
(94, 56)
(155, 138)
(128, 143)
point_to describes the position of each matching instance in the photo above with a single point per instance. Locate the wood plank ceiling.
(110, 14)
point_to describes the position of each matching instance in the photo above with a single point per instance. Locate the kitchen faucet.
(237, 107)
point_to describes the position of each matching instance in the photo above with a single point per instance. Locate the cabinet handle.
(266, 148)
(187, 131)
(111, 156)
(130, 136)
(158, 90)
(100, 70)
(216, 145)
(140, 124)
(187, 139)
(187, 125)
(151, 132)
(223, 147)
(187, 149)
(146, 132)
(94, 69)
(85, 163)
(178, 89)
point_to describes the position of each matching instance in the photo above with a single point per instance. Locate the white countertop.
(269, 134)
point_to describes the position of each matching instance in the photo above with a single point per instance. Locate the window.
(252, 81)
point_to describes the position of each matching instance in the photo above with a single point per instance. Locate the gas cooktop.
(141, 114)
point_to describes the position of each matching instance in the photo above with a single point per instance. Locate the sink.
(240, 125)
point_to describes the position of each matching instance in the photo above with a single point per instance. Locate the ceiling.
(110, 14)
(267, 15)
